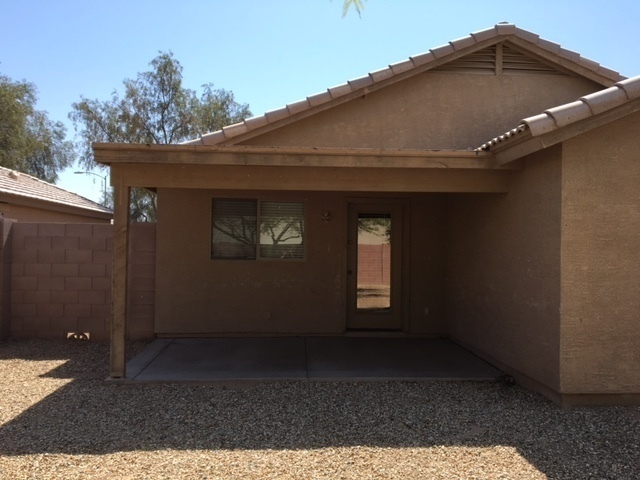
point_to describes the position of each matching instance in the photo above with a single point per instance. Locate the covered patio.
(305, 358)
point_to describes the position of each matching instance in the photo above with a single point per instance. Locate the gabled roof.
(585, 108)
(446, 54)
(23, 186)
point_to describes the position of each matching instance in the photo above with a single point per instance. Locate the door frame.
(377, 321)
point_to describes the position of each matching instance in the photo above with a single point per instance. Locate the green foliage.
(155, 108)
(357, 4)
(29, 141)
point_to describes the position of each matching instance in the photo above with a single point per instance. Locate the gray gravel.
(59, 419)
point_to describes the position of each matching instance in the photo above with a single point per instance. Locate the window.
(246, 229)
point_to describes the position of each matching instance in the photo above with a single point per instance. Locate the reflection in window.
(281, 230)
(234, 229)
(236, 223)
(374, 262)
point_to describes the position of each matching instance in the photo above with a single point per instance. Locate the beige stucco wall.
(600, 330)
(503, 270)
(432, 111)
(198, 295)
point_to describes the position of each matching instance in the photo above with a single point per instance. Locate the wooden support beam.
(316, 179)
(121, 197)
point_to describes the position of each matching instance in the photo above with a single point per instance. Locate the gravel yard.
(60, 419)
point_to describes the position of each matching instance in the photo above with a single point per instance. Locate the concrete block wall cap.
(550, 46)
(361, 82)
(505, 28)
(256, 122)
(382, 74)
(539, 124)
(464, 42)
(278, 114)
(298, 106)
(423, 58)
(403, 66)
(235, 130)
(442, 50)
(527, 35)
(213, 137)
(605, 99)
(569, 113)
(319, 98)
(339, 90)
(631, 87)
(484, 34)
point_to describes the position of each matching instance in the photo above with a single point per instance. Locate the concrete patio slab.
(305, 358)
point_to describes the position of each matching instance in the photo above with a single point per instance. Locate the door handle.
(349, 272)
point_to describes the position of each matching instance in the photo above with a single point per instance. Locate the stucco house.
(25, 198)
(495, 178)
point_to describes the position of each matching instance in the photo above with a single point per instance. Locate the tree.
(29, 141)
(357, 4)
(155, 108)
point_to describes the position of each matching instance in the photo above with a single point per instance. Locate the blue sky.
(271, 52)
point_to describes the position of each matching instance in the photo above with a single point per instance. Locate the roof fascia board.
(556, 59)
(110, 154)
(236, 177)
(527, 144)
(373, 87)
(17, 199)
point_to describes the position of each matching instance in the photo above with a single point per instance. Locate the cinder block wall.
(61, 280)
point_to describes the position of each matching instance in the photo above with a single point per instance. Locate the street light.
(104, 182)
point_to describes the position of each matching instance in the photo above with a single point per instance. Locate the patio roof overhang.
(302, 168)
(277, 168)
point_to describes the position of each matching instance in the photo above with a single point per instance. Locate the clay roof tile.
(20, 184)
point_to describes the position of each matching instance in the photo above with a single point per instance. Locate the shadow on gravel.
(90, 416)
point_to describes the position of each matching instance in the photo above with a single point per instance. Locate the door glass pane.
(374, 262)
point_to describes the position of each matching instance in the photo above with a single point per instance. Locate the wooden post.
(121, 198)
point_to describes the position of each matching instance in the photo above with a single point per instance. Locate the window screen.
(237, 229)
(281, 230)
(234, 229)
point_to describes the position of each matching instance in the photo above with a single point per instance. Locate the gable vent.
(499, 59)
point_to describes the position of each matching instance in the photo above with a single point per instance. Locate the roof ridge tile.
(605, 99)
(299, 106)
(319, 98)
(442, 50)
(505, 28)
(463, 42)
(403, 66)
(382, 74)
(485, 34)
(631, 87)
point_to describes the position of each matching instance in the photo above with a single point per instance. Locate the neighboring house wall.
(600, 330)
(36, 214)
(5, 277)
(503, 271)
(61, 279)
(432, 111)
(198, 295)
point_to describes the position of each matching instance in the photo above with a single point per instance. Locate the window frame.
(258, 202)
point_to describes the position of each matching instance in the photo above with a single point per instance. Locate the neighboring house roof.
(23, 186)
(545, 50)
(584, 108)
